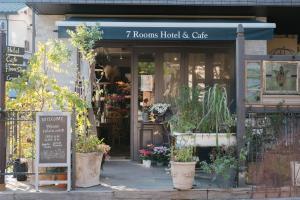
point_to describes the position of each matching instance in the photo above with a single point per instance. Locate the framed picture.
(281, 77)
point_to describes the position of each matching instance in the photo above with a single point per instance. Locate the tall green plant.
(216, 114)
(188, 110)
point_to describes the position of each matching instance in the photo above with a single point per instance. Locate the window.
(253, 83)
(281, 77)
(270, 78)
(171, 66)
(26, 45)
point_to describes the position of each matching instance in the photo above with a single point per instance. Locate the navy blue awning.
(122, 29)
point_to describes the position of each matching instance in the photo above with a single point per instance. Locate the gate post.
(240, 99)
(2, 108)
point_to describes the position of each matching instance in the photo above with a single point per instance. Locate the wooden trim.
(273, 57)
(134, 107)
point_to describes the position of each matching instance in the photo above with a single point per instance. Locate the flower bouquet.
(160, 111)
(161, 155)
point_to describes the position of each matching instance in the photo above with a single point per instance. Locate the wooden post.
(240, 98)
(2, 108)
(73, 146)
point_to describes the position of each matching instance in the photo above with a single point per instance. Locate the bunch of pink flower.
(145, 154)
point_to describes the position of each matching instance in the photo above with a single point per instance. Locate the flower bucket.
(183, 174)
(88, 168)
(147, 163)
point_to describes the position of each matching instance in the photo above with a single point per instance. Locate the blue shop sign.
(193, 32)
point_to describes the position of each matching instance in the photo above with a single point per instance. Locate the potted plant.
(182, 167)
(161, 154)
(222, 166)
(217, 120)
(146, 156)
(208, 117)
(89, 153)
(160, 111)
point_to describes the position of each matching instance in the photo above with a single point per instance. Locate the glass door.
(146, 82)
(171, 75)
(212, 66)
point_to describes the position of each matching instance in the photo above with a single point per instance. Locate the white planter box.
(205, 139)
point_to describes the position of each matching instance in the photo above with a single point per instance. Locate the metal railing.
(20, 129)
(273, 148)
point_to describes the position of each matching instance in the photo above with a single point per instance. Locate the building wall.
(46, 30)
(256, 47)
(283, 41)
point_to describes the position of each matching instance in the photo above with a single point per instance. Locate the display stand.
(53, 145)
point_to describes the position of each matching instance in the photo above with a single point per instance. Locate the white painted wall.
(256, 47)
(46, 30)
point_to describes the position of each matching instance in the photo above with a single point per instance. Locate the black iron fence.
(273, 148)
(20, 127)
(19, 135)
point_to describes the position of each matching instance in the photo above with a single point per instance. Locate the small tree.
(84, 38)
(37, 91)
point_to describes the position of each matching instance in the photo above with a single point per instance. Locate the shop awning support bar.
(240, 99)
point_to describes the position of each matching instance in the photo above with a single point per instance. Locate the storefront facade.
(156, 48)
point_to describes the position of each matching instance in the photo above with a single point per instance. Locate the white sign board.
(53, 144)
(147, 83)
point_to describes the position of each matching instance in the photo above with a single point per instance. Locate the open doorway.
(111, 98)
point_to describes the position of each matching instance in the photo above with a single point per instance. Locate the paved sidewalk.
(131, 181)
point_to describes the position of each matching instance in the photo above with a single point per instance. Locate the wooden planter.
(31, 169)
(205, 139)
(88, 168)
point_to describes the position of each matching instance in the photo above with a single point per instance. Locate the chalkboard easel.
(53, 145)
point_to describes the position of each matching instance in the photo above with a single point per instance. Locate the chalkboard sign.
(53, 144)
(53, 139)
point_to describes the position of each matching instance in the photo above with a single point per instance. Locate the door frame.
(159, 47)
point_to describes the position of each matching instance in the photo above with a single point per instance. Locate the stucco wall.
(45, 30)
(255, 47)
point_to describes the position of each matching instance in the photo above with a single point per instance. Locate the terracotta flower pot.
(61, 177)
(183, 174)
(88, 168)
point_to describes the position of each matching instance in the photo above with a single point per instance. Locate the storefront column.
(240, 99)
(2, 108)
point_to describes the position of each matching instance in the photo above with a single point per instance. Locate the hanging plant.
(84, 38)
